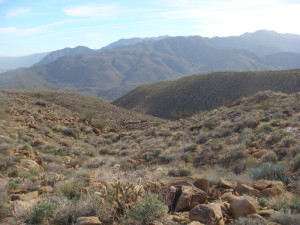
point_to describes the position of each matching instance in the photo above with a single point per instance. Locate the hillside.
(286, 60)
(89, 107)
(205, 92)
(241, 163)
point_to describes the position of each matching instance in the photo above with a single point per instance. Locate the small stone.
(178, 218)
(92, 220)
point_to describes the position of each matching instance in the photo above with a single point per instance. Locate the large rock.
(202, 184)
(261, 184)
(170, 196)
(225, 184)
(242, 207)
(228, 196)
(92, 220)
(245, 189)
(210, 214)
(30, 164)
(271, 192)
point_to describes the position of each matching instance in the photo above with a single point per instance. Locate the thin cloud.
(17, 12)
(15, 32)
(93, 11)
(8, 30)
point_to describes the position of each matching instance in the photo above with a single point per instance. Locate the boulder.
(271, 192)
(202, 184)
(225, 184)
(261, 184)
(45, 189)
(266, 212)
(30, 164)
(210, 214)
(245, 189)
(92, 220)
(228, 196)
(25, 197)
(242, 207)
(170, 196)
(184, 200)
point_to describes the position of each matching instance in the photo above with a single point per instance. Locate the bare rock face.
(245, 189)
(242, 207)
(202, 184)
(210, 214)
(261, 184)
(92, 220)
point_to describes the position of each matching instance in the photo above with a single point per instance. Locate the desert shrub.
(275, 137)
(235, 153)
(71, 190)
(251, 123)
(54, 167)
(191, 148)
(4, 208)
(43, 211)
(181, 172)
(217, 146)
(269, 157)
(202, 138)
(266, 128)
(275, 123)
(296, 163)
(263, 201)
(151, 156)
(288, 142)
(107, 151)
(281, 152)
(285, 217)
(165, 159)
(94, 163)
(187, 158)
(147, 210)
(248, 221)
(6, 162)
(210, 123)
(238, 169)
(295, 150)
(285, 203)
(224, 131)
(271, 171)
(72, 132)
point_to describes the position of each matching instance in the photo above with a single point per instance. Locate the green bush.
(43, 211)
(71, 190)
(235, 154)
(271, 171)
(296, 162)
(181, 172)
(288, 142)
(266, 128)
(147, 210)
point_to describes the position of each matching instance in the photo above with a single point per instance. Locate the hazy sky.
(31, 26)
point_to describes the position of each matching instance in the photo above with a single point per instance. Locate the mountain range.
(114, 70)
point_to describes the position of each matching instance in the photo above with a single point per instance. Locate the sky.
(35, 26)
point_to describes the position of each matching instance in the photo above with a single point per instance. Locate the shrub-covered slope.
(204, 92)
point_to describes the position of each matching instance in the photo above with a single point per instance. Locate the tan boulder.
(202, 184)
(210, 214)
(92, 220)
(25, 197)
(195, 223)
(228, 196)
(225, 184)
(266, 212)
(184, 200)
(30, 164)
(245, 189)
(242, 207)
(261, 184)
(170, 196)
(45, 189)
(271, 192)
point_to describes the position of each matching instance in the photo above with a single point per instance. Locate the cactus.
(153, 187)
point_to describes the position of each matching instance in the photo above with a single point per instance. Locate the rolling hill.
(204, 92)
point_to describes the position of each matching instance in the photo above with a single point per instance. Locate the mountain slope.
(285, 60)
(10, 63)
(205, 92)
(127, 67)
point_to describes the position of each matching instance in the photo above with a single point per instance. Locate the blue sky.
(32, 26)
